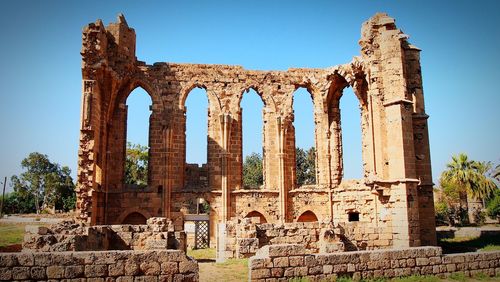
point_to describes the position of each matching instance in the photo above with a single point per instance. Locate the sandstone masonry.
(158, 265)
(284, 262)
(392, 205)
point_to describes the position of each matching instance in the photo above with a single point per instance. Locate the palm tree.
(496, 173)
(468, 178)
(486, 185)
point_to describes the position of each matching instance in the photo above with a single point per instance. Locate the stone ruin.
(391, 206)
(126, 233)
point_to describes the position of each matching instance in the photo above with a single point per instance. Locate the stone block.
(8, 260)
(169, 268)
(316, 270)
(296, 261)
(422, 261)
(285, 250)
(25, 259)
(98, 270)
(125, 279)
(175, 255)
(301, 271)
(276, 272)
(150, 268)
(451, 267)
(20, 273)
(147, 279)
(74, 271)
(280, 262)
(260, 273)
(310, 261)
(37, 273)
(131, 268)
(117, 269)
(188, 266)
(55, 272)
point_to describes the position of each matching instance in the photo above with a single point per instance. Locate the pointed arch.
(196, 129)
(135, 212)
(137, 136)
(120, 96)
(255, 213)
(305, 136)
(307, 216)
(135, 218)
(213, 101)
(252, 138)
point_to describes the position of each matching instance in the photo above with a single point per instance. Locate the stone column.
(225, 125)
(281, 171)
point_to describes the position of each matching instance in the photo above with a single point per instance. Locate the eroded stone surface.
(393, 201)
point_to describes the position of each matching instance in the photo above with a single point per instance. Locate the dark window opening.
(353, 216)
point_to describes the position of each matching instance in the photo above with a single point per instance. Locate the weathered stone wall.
(66, 236)
(245, 238)
(158, 265)
(394, 198)
(275, 262)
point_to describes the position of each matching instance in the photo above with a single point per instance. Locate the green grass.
(11, 233)
(202, 254)
(230, 270)
(470, 244)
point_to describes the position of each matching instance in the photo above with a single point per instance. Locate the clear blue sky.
(40, 76)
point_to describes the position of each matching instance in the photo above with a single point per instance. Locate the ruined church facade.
(391, 206)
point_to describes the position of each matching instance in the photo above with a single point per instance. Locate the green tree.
(493, 206)
(136, 164)
(46, 182)
(468, 177)
(252, 171)
(17, 203)
(305, 162)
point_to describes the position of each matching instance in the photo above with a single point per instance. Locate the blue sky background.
(40, 75)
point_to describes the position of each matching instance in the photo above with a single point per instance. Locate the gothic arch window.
(305, 147)
(138, 114)
(251, 106)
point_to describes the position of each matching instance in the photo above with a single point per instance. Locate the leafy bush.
(493, 207)
(18, 203)
(252, 171)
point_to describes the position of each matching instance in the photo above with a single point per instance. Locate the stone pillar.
(382, 49)
(335, 141)
(167, 182)
(85, 173)
(225, 125)
(421, 146)
(281, 186)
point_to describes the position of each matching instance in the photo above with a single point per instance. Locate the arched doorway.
(261, 217)
(307, 216)
(135, 218)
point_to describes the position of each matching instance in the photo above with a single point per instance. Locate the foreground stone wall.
(278, 262)
(161, 265)
(158, 233)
